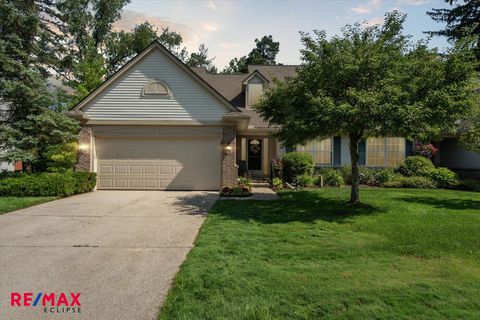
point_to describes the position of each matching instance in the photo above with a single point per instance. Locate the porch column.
(265, 158)
(84, 150)
(229, 168)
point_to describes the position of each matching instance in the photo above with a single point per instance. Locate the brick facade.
(84, 150)
(229, 167)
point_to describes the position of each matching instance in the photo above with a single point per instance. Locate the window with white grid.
(319, 149)
(385, 151)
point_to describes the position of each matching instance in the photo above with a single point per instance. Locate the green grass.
(8, 204)
(405, 254)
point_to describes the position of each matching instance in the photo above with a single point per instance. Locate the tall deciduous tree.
(264, 53)
(84, 48)
(370, 81)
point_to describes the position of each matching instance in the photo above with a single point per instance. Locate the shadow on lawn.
(452, 204)
(302, 206)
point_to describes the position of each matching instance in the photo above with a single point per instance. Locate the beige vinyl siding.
(124, 100)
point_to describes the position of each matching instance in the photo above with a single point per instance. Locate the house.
(158, 124)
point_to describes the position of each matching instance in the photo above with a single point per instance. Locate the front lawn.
(8, 204)
(406, 254)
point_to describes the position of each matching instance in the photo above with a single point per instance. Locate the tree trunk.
(354, 156)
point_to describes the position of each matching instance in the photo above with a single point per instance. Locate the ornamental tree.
(370, 81)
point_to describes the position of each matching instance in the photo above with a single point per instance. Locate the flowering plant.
(425, 150)
(277, 164)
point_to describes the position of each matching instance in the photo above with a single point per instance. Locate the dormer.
(253, 86)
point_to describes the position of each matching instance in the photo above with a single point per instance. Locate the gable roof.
(132, 62)
(255, 73)
(231, 85)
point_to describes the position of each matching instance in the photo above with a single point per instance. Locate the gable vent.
(156, 88)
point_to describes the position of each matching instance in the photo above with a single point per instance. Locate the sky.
(229, 28)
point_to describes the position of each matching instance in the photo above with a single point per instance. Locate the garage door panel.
(158, 164)
(106, 168)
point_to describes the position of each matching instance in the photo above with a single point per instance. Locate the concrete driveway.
(118, 249)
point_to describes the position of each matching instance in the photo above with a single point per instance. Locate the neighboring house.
(158, 124)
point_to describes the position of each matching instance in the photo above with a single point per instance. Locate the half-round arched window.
(156, 88)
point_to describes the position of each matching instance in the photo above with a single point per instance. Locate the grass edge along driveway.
(9, 204)
(406, 254)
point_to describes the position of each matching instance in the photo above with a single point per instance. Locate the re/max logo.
(45, 299)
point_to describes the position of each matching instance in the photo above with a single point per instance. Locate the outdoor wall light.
(226, 148)
(83, 146)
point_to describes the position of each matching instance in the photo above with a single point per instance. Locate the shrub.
(410, 182)
(444, 178)
(47, 184)
(61, 158)
(238, 191)
(470, 185)
(332, 178)
(277, 183)
(382, 176)
(416, 166)
(84, 181)
(296, 164)
(425, 150)
(306, 181)
(368, 176)
(243, 189)
(245, 182)
(346, 172)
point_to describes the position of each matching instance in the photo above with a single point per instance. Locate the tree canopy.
(461, 20)
(264, 53)
(201, 59)
(370, 81)
(29, 123)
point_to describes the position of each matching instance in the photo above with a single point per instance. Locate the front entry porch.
(254, 155)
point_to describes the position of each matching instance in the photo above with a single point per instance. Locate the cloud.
(209, 26)
(413, 2)
(228, 45)
(370, 6)
(130, 18)
(374, 21)
(212, 5)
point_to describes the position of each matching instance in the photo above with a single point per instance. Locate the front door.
(255, 156)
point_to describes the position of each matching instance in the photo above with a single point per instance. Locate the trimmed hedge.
(410, 182)
(444, 178)
(47, 184)
(416, 166)
(296, 164)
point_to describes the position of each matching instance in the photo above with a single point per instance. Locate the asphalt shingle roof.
(230, 86)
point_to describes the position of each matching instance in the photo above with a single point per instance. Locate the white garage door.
(158, 164)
